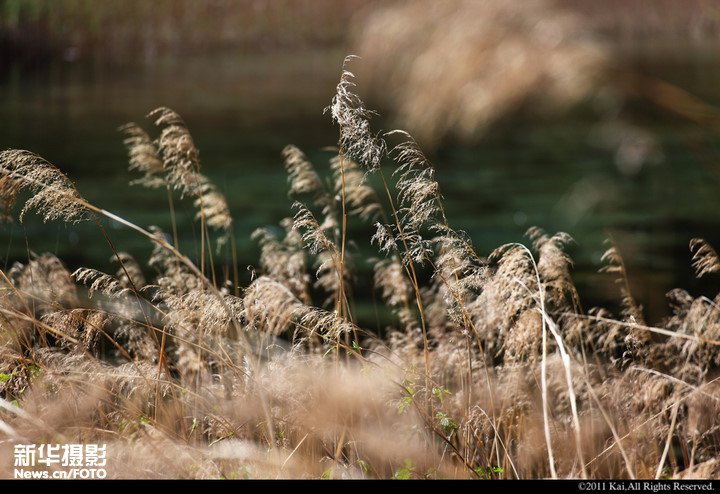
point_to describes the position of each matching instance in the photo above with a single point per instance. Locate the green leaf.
(220, 439)
(404, 473)
(403, 404)
(408, 385)
(448, 424)
(439, 392)
(488, 471)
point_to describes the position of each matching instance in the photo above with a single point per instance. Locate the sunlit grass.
(487, 365)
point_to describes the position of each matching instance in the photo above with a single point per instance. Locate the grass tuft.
(487, 366)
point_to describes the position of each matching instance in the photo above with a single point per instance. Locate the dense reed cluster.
(460, 68)
(489, 367)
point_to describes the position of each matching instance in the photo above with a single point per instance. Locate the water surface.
(570, 174)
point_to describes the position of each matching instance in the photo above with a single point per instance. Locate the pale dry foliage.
(451, 70)
(457, 67)
(487, 367)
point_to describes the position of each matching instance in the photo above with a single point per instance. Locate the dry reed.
(491, 369)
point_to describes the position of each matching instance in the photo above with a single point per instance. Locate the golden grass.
(492, 368)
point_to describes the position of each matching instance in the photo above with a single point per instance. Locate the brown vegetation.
(457, 68)
(491, 369)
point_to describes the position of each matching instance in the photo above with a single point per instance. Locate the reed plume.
(456, 69)
(489, 368)
(705, 259)
(53, 195)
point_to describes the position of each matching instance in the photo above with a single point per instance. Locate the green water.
(243, 109)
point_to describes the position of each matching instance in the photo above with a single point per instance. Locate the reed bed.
(490, 369)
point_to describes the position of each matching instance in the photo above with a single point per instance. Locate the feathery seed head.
(53, 195)
(705, 260)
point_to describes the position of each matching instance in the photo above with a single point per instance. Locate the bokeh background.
(595, 118)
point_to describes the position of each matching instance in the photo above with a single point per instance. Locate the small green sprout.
(404, 473)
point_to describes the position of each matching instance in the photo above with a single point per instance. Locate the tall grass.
(491, 368)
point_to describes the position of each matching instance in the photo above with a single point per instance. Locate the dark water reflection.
(241, 110)
(568, 175)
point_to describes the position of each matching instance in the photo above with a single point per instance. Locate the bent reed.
(492, 369)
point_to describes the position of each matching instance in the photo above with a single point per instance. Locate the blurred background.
(594, 118)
